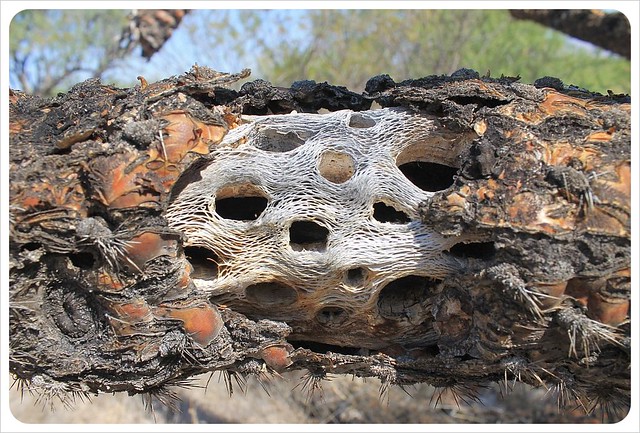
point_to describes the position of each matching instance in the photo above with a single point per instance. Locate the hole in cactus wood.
(308, 235)
(429, 176)
(273, 140)
(271, 293)
(388, 214)
(323, 348)
(82, 260)
(476, 250)
(331, 316)
(241, 202)
(31, 246)
(204, 262)
(405, 298)
(241, 208)
(356, 276)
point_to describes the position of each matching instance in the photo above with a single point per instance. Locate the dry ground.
(341, 400)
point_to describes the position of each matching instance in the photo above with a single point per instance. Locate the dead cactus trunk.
(469, 230)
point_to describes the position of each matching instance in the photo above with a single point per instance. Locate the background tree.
(347, 47)
(50, 50)
(344, 47)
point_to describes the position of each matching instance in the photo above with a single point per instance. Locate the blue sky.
(179, 53)
(185, 54)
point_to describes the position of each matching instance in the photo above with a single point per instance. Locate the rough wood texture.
(103, 297)
(153, 27)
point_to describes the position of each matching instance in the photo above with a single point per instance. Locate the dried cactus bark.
(108, 283)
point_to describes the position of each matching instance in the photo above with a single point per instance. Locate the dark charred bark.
(153, 27)
(102, 296)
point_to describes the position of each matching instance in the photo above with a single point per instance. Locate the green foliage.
(52, 49)
(349, 46)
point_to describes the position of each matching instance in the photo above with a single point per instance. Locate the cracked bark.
(101, 296)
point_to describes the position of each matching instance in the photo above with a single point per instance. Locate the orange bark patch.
(524, 208)
(16, 126)
(137, 311)
(126, 317)
(202, 322)
(608, 301)
(579, 289)
(185, 134)
(277, 356)
(600, 221)
(185, 276)
(457, 200)
(31, 201)
(487, 191)
(621, 186)
(607, 310)
(561, 153)
(147, 246)
(600, 136)
(556, 218)
(106, 283)
(484, 193)
(72, 138)
(232, 120)
(554, 292)
(120, 182)
(556, 104)
(62, 192)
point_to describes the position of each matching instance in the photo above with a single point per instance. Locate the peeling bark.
(103, 297)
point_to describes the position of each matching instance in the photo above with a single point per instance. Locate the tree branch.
(155, 27)
(609, 31)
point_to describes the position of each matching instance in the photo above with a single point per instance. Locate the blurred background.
(339, 400)
(50, 50)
